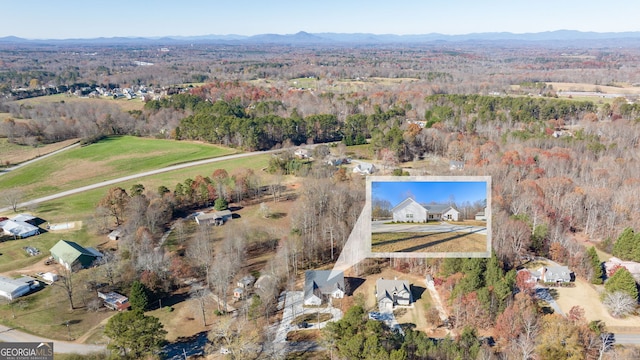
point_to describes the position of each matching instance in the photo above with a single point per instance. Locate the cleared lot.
(588, 298)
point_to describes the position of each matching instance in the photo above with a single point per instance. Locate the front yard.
(424, 242)
(585, 296)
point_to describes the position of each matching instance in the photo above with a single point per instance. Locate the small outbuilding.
(115, 234)
(12, 289)
(246, 282)
(115, 301)
(238, 293)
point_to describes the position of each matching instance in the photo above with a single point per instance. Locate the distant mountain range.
(300, 38)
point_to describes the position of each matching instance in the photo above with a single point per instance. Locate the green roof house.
(73, 256)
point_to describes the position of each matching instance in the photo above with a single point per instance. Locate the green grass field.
(81, 206)
(15, 257)
(108, 159)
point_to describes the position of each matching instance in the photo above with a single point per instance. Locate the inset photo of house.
(430, 216)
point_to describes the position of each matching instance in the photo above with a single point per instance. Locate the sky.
(426, 192)
(66, 19)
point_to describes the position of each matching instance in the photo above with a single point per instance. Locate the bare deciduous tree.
(12, 198)
(619, 304)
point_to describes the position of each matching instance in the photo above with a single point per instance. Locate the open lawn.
(46, 312)
(422, 242)
(14, 257)
(364, 151)
(304, 83)
(124, 104)
(110, 158)
(587, 297)
(15, 154)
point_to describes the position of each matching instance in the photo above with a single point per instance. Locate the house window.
(430, 216)
(409, 216)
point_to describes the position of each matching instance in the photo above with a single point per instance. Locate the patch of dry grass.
(622, 89)
(428, 242)
(16, 154)
(304, 335)
(124, 104)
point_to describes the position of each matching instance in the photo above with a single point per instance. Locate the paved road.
(626, 339)
(380, 226)
(136, 176)
(60, 347)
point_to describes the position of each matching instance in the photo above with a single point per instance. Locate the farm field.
(13, 154)
(421, 242)
(108, 159)
(124, 104)
(622, 89)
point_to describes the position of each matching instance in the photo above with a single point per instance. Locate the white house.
(392, 293)
(411, 211)
(11, 289)
(553, 274)
(322, 284)
(364, 168)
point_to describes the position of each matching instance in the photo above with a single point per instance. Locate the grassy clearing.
(364, 151)
(15, 154)
(305, 83)
(111, 158)
(15, 257)
(622, 89)
(81, 206)
(428, 242)
(46, 312)
(124, 104)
